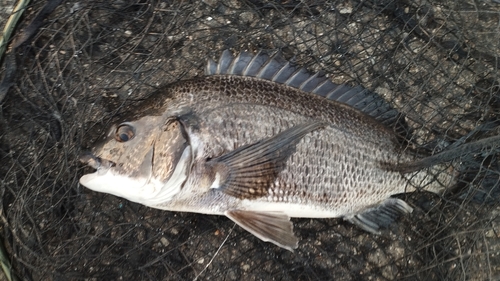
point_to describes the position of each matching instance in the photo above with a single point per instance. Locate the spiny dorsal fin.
(275, 68)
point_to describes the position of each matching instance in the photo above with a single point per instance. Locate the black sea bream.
(259, 141)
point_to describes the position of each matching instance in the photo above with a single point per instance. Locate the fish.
(260, 139)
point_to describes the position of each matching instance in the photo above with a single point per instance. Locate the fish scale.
(261, 140)
(350, 142)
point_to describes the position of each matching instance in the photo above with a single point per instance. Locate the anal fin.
(274, 227)
(381, 216)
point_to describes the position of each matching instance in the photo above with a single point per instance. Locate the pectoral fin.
(381, 216)
(274, 227)
(248, 171)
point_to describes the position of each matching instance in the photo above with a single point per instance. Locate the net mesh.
(436, 61)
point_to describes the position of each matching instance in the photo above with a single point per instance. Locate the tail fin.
(435, 178)
(456, 165)
(450, 155)
(479, 179)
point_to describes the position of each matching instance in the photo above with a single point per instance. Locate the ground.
(435, 61)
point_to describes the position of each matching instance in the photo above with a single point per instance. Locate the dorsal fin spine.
(250, 64)
(280, 72)
(306, 82)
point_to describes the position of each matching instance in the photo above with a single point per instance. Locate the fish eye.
(124, 133)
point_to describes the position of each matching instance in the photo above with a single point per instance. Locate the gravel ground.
(435, 61)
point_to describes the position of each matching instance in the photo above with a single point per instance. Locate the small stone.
(164, 241)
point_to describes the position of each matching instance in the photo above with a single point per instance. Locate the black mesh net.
(436, 61)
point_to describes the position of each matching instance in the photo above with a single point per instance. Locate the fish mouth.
(96, 162)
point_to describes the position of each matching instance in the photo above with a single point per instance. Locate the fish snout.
(95, 162)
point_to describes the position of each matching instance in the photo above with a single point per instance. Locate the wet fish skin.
(352, 135)
(260, 152)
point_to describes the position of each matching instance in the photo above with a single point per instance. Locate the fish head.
(145, 161)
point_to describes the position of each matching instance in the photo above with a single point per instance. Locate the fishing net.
(435, 61)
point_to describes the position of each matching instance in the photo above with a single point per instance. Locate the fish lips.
(96, 162)
(101, 165)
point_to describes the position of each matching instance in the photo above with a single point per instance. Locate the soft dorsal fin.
(275, 68)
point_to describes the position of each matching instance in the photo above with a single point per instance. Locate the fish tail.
(453, 166)
(486, 144)
(435, 178)
(479, 179)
